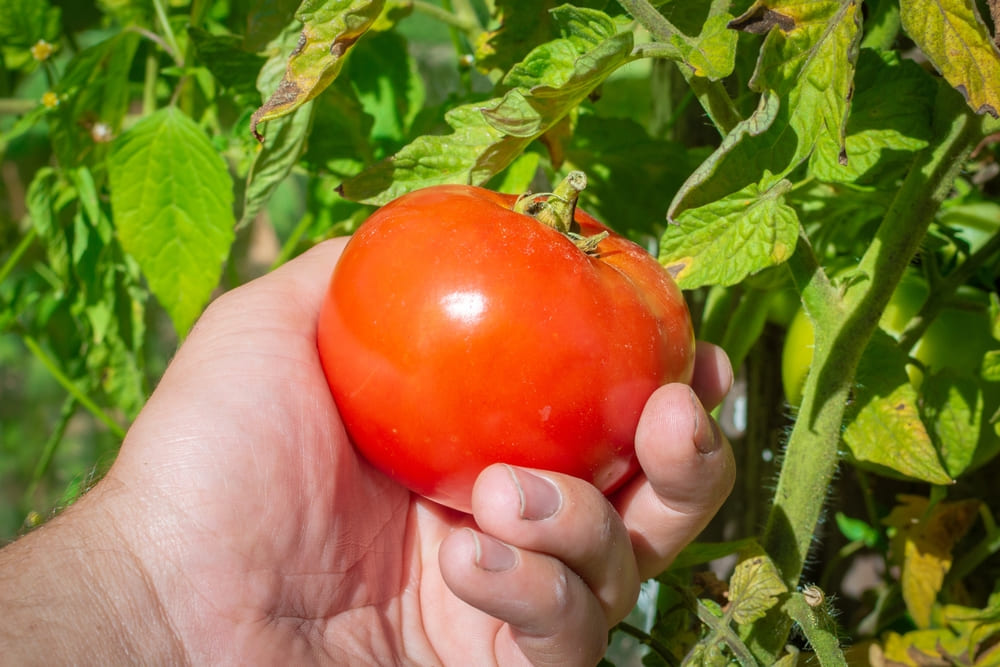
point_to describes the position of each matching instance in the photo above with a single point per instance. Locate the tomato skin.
(457, 333)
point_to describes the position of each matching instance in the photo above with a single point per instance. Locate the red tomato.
(457, 333)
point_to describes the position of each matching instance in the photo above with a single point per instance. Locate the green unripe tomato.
(957, 339)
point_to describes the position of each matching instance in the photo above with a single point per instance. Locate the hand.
(252, 532)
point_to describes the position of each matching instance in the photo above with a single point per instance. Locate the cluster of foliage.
(778, 155)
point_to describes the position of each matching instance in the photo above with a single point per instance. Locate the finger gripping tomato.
(464, 327)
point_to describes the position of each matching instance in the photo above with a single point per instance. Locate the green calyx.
(556, 210)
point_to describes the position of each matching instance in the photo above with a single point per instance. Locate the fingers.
(552, 559)
(713, 374)
(688, 471)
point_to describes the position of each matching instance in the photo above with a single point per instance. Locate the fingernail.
(704, 442)
(492, 555)
(540, 498)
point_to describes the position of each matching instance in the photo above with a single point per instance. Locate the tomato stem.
(557, 210)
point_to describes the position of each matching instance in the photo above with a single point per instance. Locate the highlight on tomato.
(464, 327)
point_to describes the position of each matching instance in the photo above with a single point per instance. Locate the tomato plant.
(155, 152)
(958, 338)
(496, 337)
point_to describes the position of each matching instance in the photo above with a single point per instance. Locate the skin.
(238, 525)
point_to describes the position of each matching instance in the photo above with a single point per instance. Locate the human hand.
(259, 535)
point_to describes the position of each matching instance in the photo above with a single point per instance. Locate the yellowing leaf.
(884, 430)
(922, 544)
(724, 242)
(754, 588)
(955, 39)
(329, 29)
(921, 648)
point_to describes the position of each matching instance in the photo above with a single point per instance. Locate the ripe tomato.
(458, 332)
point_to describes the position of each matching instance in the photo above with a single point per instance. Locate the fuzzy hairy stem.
(843, 327)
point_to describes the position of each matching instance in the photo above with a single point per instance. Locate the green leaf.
(630, 175)
(22, 24)
(486, 137)
(329, 29)
(266, 19)
(726, 241)
(889, 120)
(884, 429)
(43, 203)
(805, 74)
(339, 140)
(516, 179)
(386, 82)
(857, 530)
(172, 199)
(275, 160)
(712, 52)
(954, 38)
(953, 411)
(755, 587)
(93, 90)
(700, 553)
(991, 366)
(225, 58)
(522, 27)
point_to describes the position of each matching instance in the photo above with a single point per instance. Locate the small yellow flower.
(42, 50)
(50, 100)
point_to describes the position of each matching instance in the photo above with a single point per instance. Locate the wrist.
(74, 591)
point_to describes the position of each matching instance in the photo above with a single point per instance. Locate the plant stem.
(972, 559)
(168, 32)
(814, 624)
(51, 445)
(711, 94)
(153, 37)
(71, 387)
(149, 83)
(944, 290)
(18, 253)
(645, 638)
(14, 107)
(462, 23)
(842, 332)
(720, 628)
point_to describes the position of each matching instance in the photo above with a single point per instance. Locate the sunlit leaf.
(922, 648)
(890, 118)
(955, 39)
(487, 136)
(724, 242)
(953, 410)
(712, 52)
(522, 27)
(387, 83)
(172, 199)
(805, 75)
(631, 175)
(884, 428)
